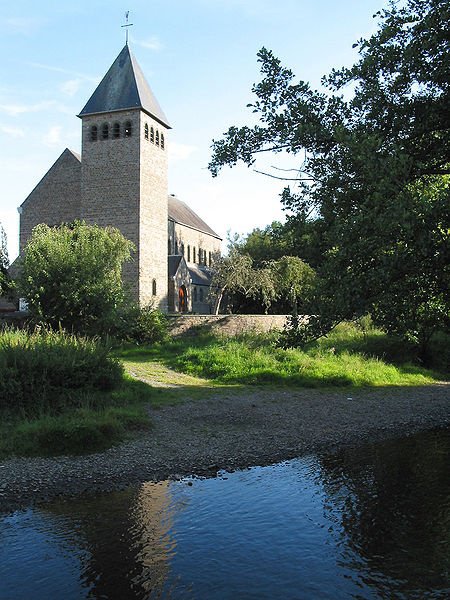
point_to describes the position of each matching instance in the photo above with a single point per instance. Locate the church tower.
(124, 173)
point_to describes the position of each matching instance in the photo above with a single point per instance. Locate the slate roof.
(200, 276)
(182, 214)
(174, 263)
(124, 87)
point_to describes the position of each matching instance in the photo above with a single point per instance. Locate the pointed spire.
(124, 87)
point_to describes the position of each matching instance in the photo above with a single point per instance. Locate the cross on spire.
(126, 26)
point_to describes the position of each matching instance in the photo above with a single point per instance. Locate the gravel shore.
(230, 430)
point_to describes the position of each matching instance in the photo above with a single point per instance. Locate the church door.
(182, 299)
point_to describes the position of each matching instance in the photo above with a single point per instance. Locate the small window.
(182, 248)
(105, 131)
(116, 131)
(127, 131)
(195, 294)
(193, 254)
(94, 133)
(176, 247)
(170, 246)
(201, 294)
(146, 131)
(154, 287)
(157, 138)
(210, 259)
(152, 135)
(189, 254)
(162, 141)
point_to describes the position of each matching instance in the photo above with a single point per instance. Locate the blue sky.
(200, 60)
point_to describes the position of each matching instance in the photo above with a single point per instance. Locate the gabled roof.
(174, 263)
(68, 159)
(199, 275)
(183, 215)
(124, 87)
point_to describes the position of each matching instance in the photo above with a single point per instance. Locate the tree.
(234, 273)
(71, 275)
(297, 237)
(6, 284)
(376, 169)
(294, 281)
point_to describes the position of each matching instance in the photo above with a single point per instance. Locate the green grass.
(101, 420)
(347, 357)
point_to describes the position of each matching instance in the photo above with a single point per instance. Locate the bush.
(71, 276)
(144, 325)
(46, 371)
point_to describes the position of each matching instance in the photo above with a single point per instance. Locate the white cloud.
(81, 76)
(22, 25)
(70, 87)
(151, 43)
(14, 110)
(179, 152)
(19, 109)
(53, 136)
(15, 132)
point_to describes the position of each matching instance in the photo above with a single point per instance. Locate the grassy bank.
(62, 394)
(349, 356)
(65, 395)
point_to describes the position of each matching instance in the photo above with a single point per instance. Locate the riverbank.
(230, 429)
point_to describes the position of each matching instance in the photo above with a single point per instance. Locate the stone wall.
(225, 324)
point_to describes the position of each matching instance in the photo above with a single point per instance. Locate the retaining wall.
(225, 324)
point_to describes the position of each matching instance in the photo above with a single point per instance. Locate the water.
(371, 522)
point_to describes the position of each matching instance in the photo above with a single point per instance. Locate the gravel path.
(229, 430)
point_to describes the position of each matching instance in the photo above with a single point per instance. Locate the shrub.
(47, 370)
(142, 325)
(71, 276)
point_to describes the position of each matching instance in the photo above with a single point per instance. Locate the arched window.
(210, 261)
(182, 248)
(116, 131)
(157, 138)
(105, 131)
(146, 131)
(189, 254)
(162, 141)
(152, 135)
(193, 254)
(195, 294)
(127, 130)
(170, 246)
(154, 287)
(94, 133)
(201, 294)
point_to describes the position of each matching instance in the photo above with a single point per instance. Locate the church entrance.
(182, 299)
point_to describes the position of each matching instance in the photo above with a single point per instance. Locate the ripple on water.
(367, 522)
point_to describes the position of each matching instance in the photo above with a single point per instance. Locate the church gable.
(55, 199)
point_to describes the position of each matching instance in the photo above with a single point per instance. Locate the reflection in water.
(372, 522)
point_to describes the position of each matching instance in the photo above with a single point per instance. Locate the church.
(121, 180)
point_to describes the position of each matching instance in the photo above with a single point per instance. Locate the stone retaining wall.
(226, 324)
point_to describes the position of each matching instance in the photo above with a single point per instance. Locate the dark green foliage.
(48, 371)
(6, 285)
(144, 325)
(297, 237)
(71, 276)
(376, 171)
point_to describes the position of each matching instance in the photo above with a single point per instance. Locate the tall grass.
(45, 371)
